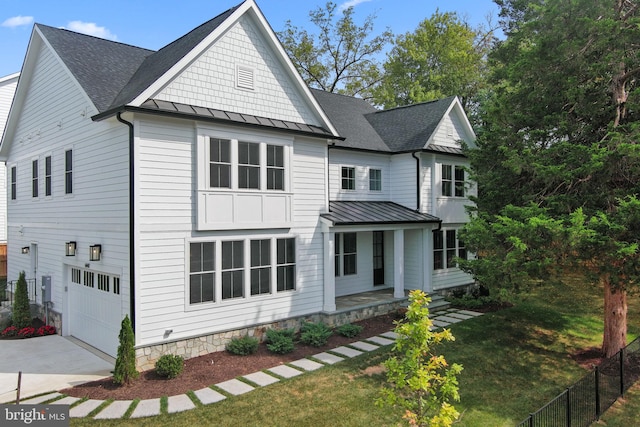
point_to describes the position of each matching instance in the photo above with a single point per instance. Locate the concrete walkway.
(99, 409)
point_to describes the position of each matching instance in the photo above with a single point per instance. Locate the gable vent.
(245, 78)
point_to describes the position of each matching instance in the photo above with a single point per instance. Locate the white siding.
(413, 259)
(403, 180)
(53, 120)
(443, 279)
(362, 162)
(7, 90)
(426, 190)
(211, 80)
(362, 281)
(451, 131)
(167, 206)
(451, 209)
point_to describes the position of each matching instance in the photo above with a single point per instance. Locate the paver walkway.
(150, 407)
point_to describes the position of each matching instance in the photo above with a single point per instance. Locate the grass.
(514, 360)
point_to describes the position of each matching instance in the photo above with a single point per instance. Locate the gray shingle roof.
(369, 213)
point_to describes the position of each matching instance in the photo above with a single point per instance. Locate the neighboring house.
(205, 191)
(8, 86)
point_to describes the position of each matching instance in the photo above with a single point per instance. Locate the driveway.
(49, 363)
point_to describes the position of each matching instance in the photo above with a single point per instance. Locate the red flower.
(27, 332)
(46, 330)
(11, 331)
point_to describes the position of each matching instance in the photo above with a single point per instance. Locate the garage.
(95, 308)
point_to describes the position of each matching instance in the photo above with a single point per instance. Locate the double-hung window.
(14, 183)
(275, 167)
(68, 172)
(346, 254)
(248, 165)
(446, 247)
(232, 269)
(47, 176)
(452, 181)
(219, 163)
(348, 178)
(202, 272)
(34, 178)
(260, 267)
(375, 180)
(286, 264)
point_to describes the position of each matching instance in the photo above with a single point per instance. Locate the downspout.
(417, 180)
(329, 147)
(132, 281)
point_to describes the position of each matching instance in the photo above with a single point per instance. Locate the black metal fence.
(583, 403)
(10, 289)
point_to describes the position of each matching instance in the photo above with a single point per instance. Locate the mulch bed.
(213, 368)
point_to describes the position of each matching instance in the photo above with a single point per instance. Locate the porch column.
(329, 303)
(427, 256)
(398, 262)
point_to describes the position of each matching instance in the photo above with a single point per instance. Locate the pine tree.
(125, 369)
(21, 309)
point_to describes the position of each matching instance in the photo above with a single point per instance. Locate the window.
(202, 272)
(75, 275)
(248, 165)
(446, 247)
(275, 167)
(452, 181)
(68, 172)
(375, 180)
(116, 285)
(103, 282)
(232, 269)
(34, 178)
(286, 264)
(47, 176)
(219, 163)
(348, 178)
(14, 183)
(260, 267)
(89, 279)
(346, 254)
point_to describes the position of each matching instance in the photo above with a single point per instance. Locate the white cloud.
(90, 28)
(18, 21)
(351, 3)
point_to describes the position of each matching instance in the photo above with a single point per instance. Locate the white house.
(8, 86)
(205, 191)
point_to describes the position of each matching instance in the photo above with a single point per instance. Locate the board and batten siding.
(362, 163)
(211, 80)
(56, 117)
(166, 203)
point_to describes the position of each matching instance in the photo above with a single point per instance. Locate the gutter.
(132, 276)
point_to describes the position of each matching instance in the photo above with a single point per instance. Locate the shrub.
(315, 334)
(243, 346)
(10, 331)
(27, 332)
(280, 340)
(21, 308)
(125, 370)
(46, 330)
(169, 365)
(349, 330)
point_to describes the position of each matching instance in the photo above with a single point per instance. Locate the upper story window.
(348, 178)
(47, 176)
(375, 180)
(275, 167)
(68, 172)
(14, 182)
(248, 165)
(446, 247)
(219, 163)
(452, 180)
(34, 178)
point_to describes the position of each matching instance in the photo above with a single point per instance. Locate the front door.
(378, 258)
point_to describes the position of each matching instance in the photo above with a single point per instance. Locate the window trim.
(451, 186)
(35, 183)
(13, 182)
(341, 254)
(375, 180)
(445, 250)
(68, 171)
(48, 178)
(349, 180)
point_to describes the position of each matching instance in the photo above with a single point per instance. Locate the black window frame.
(202, 269)
(348, 178)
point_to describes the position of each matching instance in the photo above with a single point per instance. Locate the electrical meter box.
(46, 288)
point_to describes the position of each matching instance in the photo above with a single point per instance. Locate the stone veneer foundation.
(146, 357)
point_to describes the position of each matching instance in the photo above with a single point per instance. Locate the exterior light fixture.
(94, 252)
(25, 250)
(70, 249)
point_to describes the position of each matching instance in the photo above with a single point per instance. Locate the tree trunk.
(615, 319)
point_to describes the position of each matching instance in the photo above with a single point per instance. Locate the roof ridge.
(414, 105)
(94, 37)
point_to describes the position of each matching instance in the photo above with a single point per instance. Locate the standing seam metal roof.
(365, 213)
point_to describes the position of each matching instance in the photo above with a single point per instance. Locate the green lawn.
(514, 361)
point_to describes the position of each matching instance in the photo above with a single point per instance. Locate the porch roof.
(363, 213)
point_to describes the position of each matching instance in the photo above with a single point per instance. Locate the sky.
(154, 24)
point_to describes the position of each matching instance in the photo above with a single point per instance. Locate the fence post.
(622, 372)
(530, 420)
(568, 407)
(597, 371)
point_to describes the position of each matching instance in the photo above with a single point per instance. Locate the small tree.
(125, 369)
(420, 381)
(21, 309)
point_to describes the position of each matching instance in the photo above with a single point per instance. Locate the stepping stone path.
(235, 387)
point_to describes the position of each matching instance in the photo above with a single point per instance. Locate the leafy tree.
(420, 381)
(125, 369)
(341, 56)
(444, 56)
(21, 312)
(560, 132)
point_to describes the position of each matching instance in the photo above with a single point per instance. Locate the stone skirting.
(147, 356)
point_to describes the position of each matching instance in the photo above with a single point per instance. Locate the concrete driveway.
(49, 363)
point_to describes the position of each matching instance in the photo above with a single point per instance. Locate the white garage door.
(95, 309)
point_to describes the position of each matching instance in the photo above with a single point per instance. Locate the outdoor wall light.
(70, 249)
(94, 252)
(25, 250)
